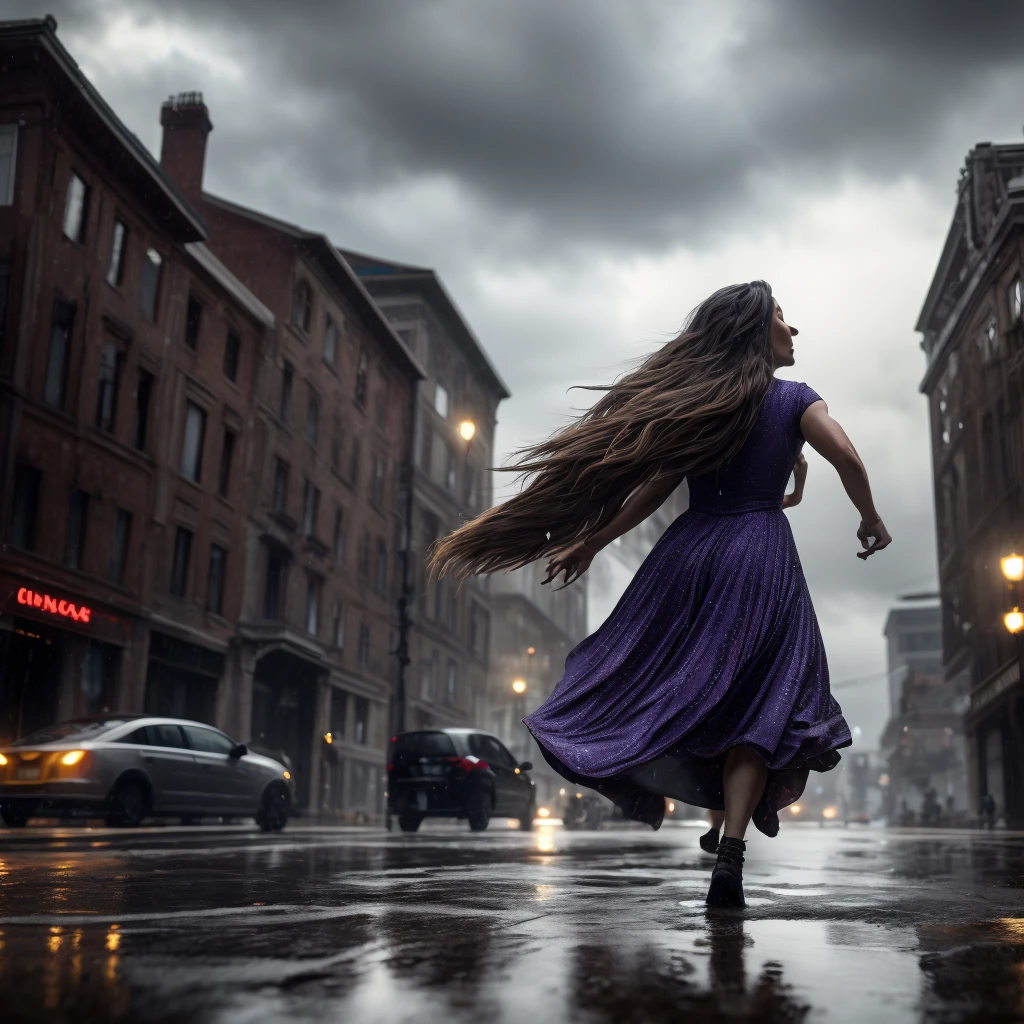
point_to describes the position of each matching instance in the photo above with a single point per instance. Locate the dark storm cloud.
(634, 123)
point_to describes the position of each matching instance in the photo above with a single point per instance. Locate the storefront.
(60, 656)
(182, 678)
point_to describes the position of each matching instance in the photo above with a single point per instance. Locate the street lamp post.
(519, 689)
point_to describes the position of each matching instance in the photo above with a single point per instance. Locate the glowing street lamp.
(519, 685)
(467, 430)
(1013, 567)
(1014, 621)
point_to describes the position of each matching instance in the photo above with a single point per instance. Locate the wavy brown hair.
(687, 408)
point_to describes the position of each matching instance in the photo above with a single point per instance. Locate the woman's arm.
(644, 501)
(799, 476)
(829, 440)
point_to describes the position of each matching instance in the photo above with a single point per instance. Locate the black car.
(457, 773)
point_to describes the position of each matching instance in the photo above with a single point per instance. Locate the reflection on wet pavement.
(171, 925)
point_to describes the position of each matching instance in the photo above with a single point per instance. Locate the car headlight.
(3, 760)
(72, 757)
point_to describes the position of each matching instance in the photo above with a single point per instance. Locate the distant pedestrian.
(988, 810)
(708, 682)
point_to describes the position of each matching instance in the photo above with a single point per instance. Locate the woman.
(708, 682)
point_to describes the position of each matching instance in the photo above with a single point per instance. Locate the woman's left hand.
(573, 561)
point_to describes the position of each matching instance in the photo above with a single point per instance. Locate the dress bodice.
(756, 479)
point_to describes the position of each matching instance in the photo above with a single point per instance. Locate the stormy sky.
(583, 172)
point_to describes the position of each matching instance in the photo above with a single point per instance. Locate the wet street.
(318, 924)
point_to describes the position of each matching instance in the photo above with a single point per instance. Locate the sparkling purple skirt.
(713, 645)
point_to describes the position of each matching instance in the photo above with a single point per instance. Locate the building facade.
(913, 638)
(124, 423)
(447, 641)
(973, 339)
(318, 625)
(203, 421)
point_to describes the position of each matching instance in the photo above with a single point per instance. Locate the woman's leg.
(716, 819)
(709, 841)
(744, 782)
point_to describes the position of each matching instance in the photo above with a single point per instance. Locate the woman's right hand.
(573, 561)
(872, 537)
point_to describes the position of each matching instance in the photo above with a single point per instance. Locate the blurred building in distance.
(446, 640)
(533, 628)
(973, 339)
(913, 634)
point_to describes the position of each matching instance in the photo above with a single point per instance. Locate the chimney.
(186, 123)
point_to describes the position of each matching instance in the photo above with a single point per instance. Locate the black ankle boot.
(727, 877)
(709, 841)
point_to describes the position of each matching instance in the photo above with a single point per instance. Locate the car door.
(228, 783)
(167, 760)
(491, 751)
(520, 790)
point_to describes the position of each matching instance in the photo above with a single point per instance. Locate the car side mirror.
(239, 750)
(526, 766)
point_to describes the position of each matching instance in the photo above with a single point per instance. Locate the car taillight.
(469, 764)
(389, 767)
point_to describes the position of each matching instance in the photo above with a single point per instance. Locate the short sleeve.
(804, 396)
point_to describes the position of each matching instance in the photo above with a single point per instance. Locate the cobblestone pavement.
(324, 924)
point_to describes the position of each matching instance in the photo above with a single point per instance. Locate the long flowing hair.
(687, 408)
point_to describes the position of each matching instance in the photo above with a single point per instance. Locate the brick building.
(203, 416)
(127, 367)
(974, 343)
(445, 682)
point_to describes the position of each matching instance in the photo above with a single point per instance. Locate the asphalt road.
(359, 925)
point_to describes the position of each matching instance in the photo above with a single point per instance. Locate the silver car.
(124, 768)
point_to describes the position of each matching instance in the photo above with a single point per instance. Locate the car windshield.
(73, 732)
(425, 744)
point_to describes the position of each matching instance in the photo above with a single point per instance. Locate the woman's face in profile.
(782, 339)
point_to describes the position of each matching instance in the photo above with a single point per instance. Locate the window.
(453, 613)
(339, 626)
(360, 784)
(215, 579)
(330, 341)
(106, 395)
(336, 452)
(364, 645)
(227, 454)
(287, 378)
(427, 450)
(353, 463)
(452, 670)
(150, 287)
(377, 484)
(142, 395)
(179, 566)
(193, 318)
(378, 411)
(313, 587)
(78, 514)
(1016, 297)
(119, 546)
(273, 596)
(61, 324)
(361, 720)
(76, 208)
(382, 567)
(449, 475)
(118, 245)
(302, 305)
(339, 536)
(313, 418)
(208, 741)
(280, 486)
(310, 508)
(8, 162)
(232, 348)
(441, 401)
(438, 600)
(364, 556)
(362, 368)
(26, 507)
(192, 443)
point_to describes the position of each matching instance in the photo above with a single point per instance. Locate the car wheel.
(479, 810)
(526, 821)
(273, 813)
(409, 821)
(126, 805)
(14, 817)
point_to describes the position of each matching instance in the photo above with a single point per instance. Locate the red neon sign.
(53, 606)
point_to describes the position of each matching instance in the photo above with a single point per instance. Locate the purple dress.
(714, 644)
